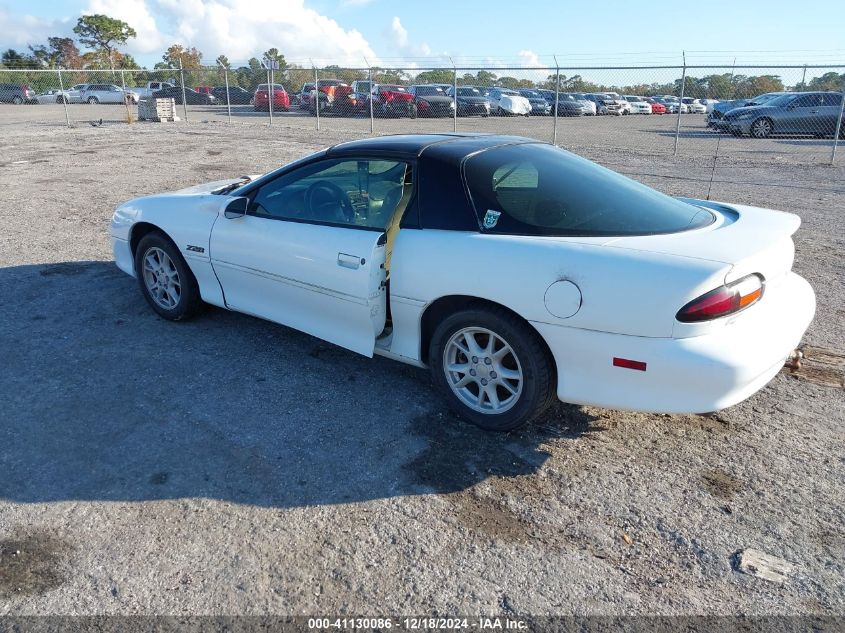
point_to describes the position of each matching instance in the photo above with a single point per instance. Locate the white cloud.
(136, 14)
(399, 40)
(398, 34)
(18, 31)
(239, 29)
(529, 58)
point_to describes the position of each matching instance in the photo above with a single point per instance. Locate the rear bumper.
(688, 375)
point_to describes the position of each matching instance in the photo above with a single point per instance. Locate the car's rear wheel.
(17, 100)
(166, 281)
(493, 369)
(761, 128)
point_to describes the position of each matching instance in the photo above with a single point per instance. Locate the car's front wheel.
(166, 282)
(493, 369)
(761, 128)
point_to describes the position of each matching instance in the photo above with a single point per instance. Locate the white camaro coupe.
(513, 269)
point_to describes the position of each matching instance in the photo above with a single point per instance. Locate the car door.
(310, 251)
(831, 110)
(800, 116)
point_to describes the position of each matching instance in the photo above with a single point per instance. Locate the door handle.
(349, 261)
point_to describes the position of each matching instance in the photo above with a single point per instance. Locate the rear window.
(535, 189)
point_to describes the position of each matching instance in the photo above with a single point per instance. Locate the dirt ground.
(231, 466)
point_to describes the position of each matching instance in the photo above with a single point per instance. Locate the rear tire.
(17, 100)
(492, 368)
(166, 281)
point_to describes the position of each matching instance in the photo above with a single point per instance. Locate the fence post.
(125, 96)
(680, 105)
(228, 98)
(557, 99)
(370, 98)
(64, 96)
(182, 82)
(316, 96)
(455, 98)
(838, 129)
(270, 92)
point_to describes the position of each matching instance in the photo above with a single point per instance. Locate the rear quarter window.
(537, 189)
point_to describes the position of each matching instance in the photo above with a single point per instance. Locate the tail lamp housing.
(723, 301)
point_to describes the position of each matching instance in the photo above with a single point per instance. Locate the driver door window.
(358, 193)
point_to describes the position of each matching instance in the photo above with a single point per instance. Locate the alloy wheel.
(482, 370)
(161, 278)
(761, 128)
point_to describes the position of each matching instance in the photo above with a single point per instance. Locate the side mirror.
(236, 208)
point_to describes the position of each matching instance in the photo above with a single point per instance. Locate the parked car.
(261, 98)
(694, 106)
(506, 102)
(638, 105)
(17, 94)
(709, 104)
(471, 101)
(716, 118)
(53, 95)
(108, 93)
(656, 106)
(589, 106)
(672, 105)
(567, 104)
(303, 97)
(150, 87)
(605, 292)
(539, 105)
(432, 101)
(624, 106)
(72, 94)
(334, 96)
(812, 113)
(236, 95)
(392, 100)
(206, 90)
(605, 104)
(191, 97)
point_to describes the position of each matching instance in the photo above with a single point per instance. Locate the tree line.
(103, 37)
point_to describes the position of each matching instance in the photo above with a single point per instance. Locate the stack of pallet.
(152, 109)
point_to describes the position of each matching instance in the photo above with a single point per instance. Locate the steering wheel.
(325, 201)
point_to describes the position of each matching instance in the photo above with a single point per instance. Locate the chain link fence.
(740, 111)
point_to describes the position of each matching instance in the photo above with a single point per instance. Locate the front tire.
(93, 100)
(166, 281)
(492, 368)
(761, 128)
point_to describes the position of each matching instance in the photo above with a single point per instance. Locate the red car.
(281, 100)
(656, 106)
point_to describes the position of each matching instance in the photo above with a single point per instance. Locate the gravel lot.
(230, 466)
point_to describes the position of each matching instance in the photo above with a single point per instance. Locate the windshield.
(761, 99)
(429, 90)
(394, 88)
(537, 189)
(532, 94)
(468, 92)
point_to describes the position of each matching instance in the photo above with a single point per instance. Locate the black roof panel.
(456, 144)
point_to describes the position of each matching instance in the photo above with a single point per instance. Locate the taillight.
(723, 301)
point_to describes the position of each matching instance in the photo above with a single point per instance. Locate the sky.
(472, 32)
